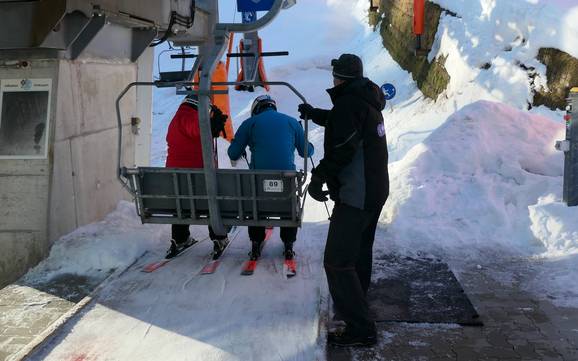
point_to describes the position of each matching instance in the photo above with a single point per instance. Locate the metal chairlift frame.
(181, 196)
(211, 51)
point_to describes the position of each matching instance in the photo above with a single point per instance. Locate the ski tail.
(290, 268)
(268, 233)
(151, 267)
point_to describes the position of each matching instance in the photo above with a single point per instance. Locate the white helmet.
(261, 103)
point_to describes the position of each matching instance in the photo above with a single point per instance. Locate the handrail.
(189, 84)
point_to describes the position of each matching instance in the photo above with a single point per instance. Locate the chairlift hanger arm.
(250, 27)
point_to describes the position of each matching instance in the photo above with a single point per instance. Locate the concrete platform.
(517, 326)
(29, 309)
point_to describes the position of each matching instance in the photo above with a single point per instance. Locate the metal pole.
(119, 124)
(570, 185)
(211, 55)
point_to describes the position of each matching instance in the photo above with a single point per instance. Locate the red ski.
(214, 263)
(268, 233)
(151, 267)
(250, 265)
(290, 268)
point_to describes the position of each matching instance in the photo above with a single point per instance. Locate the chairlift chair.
(267, 198)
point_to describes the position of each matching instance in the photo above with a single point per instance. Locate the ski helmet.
(192, 99)
(261, 103)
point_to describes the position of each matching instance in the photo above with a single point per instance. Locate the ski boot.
(177, 247)
(289, 253)
(289, 265)
(219, 246)
(255, 251)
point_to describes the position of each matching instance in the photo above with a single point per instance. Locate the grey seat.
(245, 197)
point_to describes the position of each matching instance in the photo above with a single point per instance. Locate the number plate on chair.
(273, 185)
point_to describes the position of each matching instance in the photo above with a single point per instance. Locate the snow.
(474, 176)
(97, 248)
(470, 183)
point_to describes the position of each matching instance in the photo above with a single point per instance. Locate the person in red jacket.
(185, 151)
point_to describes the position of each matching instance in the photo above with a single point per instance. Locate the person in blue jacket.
(272, 138)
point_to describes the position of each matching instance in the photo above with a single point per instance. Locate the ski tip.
(249, 268)
(290, 268)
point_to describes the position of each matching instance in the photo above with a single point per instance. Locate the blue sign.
(249, 17)
(388, 91)
(254, 5)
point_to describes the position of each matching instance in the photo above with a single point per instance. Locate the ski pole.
(325, 203)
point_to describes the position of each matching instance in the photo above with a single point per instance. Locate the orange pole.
(418, 17)
(232, 36)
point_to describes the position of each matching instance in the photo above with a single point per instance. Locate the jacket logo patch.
(381, 130)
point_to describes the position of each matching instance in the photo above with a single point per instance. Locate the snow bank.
(114, 242)
(468, 186)
(502, 35)
(554, 224)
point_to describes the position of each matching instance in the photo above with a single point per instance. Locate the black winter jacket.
(355, 162)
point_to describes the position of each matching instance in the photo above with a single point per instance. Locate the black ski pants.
(288, 234)
(348, 264)
(180, 233)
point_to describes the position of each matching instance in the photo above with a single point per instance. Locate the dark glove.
(305, 110)
(316, 191)
(218, 120)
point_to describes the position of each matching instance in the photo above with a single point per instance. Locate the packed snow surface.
(474, 176)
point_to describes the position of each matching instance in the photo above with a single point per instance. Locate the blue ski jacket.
(272, 138)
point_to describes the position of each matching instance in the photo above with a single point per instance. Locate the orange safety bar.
(221, 100)
(262, 76)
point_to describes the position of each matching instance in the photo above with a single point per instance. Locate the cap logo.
(381, 130)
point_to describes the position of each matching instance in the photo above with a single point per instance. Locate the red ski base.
(155, 266)
(210, 267)
(249, 268)
(290, 267)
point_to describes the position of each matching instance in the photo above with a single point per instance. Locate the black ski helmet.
(261, 103)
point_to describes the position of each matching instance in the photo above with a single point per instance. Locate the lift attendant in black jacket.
(355, 170)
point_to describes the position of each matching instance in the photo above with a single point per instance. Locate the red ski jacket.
(184, 139)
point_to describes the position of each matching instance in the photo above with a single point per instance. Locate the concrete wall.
(24, 191)
(41, 200)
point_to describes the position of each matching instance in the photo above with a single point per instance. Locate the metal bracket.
(95, 24)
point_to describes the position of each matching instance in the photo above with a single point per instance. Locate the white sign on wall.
(24, 118)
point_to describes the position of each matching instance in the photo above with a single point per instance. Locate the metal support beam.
(95, 24)
(570, 148)
(141, 38)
